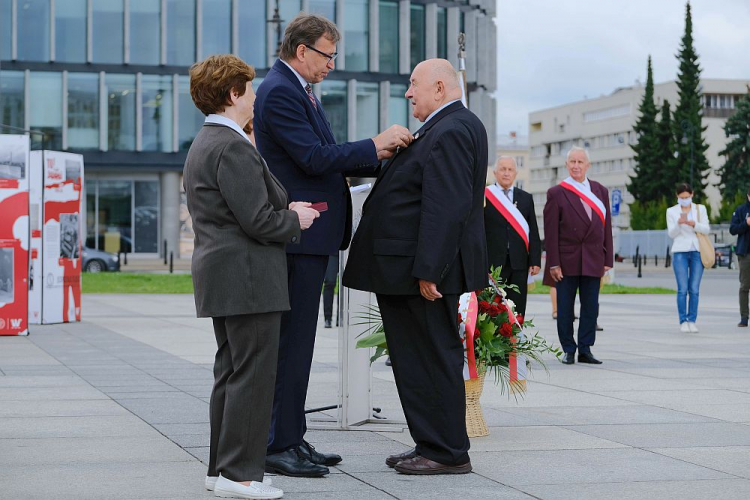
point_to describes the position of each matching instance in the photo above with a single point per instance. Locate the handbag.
(706, 248)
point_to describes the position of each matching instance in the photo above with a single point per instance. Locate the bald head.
(434, 82)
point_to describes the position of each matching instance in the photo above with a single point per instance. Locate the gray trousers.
(744, 261)
(242, 396)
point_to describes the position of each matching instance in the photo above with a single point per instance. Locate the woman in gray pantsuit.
(242, 220)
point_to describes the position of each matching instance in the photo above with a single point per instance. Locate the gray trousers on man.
(242, 396)
(744, 262)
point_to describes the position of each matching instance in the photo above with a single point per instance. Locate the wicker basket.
(475, 424)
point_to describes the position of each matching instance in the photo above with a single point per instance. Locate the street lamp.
(689, 129)
(276, 19)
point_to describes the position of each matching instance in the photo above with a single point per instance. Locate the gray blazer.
(241, 225)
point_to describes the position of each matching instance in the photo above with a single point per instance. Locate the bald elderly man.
(419, 245)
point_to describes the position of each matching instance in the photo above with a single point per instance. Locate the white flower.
(509, 303)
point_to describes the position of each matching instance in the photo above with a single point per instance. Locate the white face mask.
(685, 202)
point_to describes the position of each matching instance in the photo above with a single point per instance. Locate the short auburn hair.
(306, 29)
(213, 80)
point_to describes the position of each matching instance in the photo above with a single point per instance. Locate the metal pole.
(171, 262)
(640, 260)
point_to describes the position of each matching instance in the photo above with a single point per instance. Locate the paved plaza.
(117, 407)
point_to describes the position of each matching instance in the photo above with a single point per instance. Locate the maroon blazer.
(579, 245)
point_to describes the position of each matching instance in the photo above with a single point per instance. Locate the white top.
(227, 122)
(510, 191)
(302, 81)
(683, 235)
(440, 109)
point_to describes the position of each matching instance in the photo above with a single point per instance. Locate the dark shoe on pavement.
(554, 315)
(599, 328)
(393, 460)
(308, 451)
(290, 463)
(388, 361)
(587, 357)
(422, 466)
(743, 322)
(568, 358)
(328, 323)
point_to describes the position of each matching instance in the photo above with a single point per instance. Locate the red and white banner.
(587, 196)
(58, 248)
(502, 204)
(14, 234)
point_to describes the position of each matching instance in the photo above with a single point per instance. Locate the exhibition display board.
(14, 234)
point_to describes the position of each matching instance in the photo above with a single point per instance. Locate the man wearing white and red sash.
(578, 240)
(511, 230)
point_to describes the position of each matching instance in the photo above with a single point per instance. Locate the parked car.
(97, 261)
(724, 254)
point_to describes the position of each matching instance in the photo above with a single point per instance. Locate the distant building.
(604, 126)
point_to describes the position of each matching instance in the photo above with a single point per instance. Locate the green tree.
(735, 173)
(649, 215)
(666, 176)
(641, 185)
(687, 116)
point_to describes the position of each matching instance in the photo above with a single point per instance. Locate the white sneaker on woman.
(685, 327)
(693, 328)
(226, 488)
(211, 482)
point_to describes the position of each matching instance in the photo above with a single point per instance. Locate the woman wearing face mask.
(683, 221)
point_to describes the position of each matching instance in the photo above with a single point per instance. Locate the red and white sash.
(587, 196)
(508, 210)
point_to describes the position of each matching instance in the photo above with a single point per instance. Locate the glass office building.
(109, 79)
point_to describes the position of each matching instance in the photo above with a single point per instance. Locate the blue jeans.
(688, 269)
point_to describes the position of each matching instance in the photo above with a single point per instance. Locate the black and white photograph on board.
(13, 161)
(6, 275)
(73, 171)
(69, 236)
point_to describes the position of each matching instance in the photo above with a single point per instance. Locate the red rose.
(506, 330)
(502, 307)
(484, 306)
(519, 318)
(460, 318)
(496, 300)
(494, 310)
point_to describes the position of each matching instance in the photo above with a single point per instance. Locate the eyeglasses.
(331, 57)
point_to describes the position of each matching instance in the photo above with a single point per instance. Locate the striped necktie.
(310, 96)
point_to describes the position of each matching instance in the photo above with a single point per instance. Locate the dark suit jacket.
(423, 218)
(296, 140)
(499, 231)
(581, 246)
(241, 225)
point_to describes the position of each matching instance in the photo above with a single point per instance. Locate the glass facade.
(368, 110)
(70, 31)
(121, 111)
(33, 30)
(252, 21)
(442, 32)
(190, 119)
(326, 8)
(46, 107)
(180, 32)
(333, 98)
(217, 27)
(398, 105)
(83, 110)
(417, 35)
(288, 9)
(146, 216)
(6, 28)
(389, 26)
(12, 100)
(145, 29)
(156, 112)
(108, 24)
(357, 34)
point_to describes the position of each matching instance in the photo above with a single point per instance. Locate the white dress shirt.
(683, 235)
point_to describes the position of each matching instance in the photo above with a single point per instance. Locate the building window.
(33, 30)
(288, 10)
(156, 111)
(326, 8)
(180, 32)
(357, 33)
(398, 105)
(388, 31)
(417, 35)
(12, 100)
(190, 119)
(217, 27)
(368, 110)
(252, 20)
(146, 216)
(46, 108)
(442, 32)
(70, 31)
(333, 98)
(6, 28)
(121, 112)
(108, 31)
(83, 111)
(145, 32)
(114, 218)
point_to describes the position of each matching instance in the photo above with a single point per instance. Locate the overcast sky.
(552, 52)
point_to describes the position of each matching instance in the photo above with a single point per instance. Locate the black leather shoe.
(743, 322)
(599, 328)
(328, 323)
(388, 361)
(589, 358)
(393, 460)
(568, 358)
(308, 451)
(290, 463)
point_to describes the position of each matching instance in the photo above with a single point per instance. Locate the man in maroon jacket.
(578, 235)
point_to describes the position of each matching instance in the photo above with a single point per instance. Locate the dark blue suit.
(296, 140)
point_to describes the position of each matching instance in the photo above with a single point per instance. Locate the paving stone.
(727, 489)
(671, 435)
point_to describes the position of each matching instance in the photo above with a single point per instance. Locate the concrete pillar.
(170, 212)
(385, 98)
(351, 110)
(374, 38)
(404, 37)
(341, 46)
(452, 28)
(430, 30)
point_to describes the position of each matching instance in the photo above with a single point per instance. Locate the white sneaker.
(685, 327)
(211, 482)
(226, 488)
(693, 328)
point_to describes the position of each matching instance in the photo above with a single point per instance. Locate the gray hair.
(578, 148)
(306, 29)
(497, 163)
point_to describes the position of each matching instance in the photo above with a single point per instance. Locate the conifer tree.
(666, 176)
(735, 173)
(647, 154)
